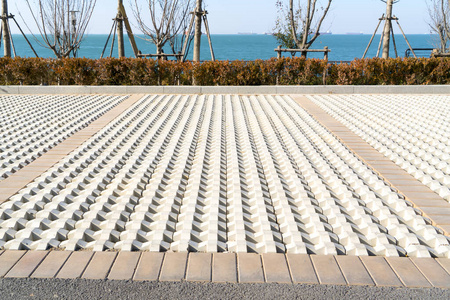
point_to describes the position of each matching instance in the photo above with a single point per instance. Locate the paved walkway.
(241, 267)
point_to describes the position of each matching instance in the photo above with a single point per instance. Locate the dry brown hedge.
(285, 71)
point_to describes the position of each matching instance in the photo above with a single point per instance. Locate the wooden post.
(379, 46)
(5, 27)
(371, 39)
(325, 53)
(129, 30)
(205, 19)
(279, 51)
(188, 34)
(198, 30)
(434, 53)
(393, 41)
(409, 45)
(119, 20)
(387, 29)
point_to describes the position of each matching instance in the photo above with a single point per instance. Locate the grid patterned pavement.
(326, 268)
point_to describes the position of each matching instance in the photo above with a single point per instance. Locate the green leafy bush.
(284, 71)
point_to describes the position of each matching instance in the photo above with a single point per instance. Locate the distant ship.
(326, 33)
(247, 33)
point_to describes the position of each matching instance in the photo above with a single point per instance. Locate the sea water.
(242, 47)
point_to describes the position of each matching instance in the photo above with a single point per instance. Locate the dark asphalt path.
(103, 289)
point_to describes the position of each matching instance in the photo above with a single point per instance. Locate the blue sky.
(232, 16)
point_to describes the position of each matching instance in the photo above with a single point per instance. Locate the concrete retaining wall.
(315, 89)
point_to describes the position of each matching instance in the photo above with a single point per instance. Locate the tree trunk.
(159, 49)
(198, 31)
(120, 41)
(5, 26)
(387, 29)
(306, 26)
(292, 20)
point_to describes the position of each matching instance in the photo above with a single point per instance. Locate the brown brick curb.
(228, 267)
(428, 202)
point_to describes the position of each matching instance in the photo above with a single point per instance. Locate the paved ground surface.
(101, 289)
(31, 125)
(216, 173)
(412, 131)
(223, 173)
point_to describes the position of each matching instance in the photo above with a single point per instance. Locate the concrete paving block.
(407, 272)
(124, 266)
(9, 89)
(149, 266)
(119, 90)
(292, 90)
(445, 263)
(354, 271)
(433, 271)
(75, 265)
(27, 264)
(139, 89)
(276, 268)
(199, 267)
(189, 90)
(327, 270)
(250, 90)
(336, 89)
(100, 265)
(36, 90)
(440, 219)
(220, 89)
(53, 90)
(51, 264)
(446, 229)
(439, 89)
(224, 267)
(250, 268)
(173, 267)
(301, 267)
(8, 259)
(380, 271)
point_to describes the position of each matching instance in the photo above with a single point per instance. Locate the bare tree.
(439, 13)
(61, 23)
(5, 30)
(167, 19)
(298, 23)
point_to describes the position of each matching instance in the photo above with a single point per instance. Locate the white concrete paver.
(214, 174)
(31, 125)
(412, 131)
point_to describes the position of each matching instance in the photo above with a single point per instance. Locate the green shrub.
(284, 71)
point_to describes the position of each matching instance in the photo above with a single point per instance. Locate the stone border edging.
(228, 268)
(311, 89)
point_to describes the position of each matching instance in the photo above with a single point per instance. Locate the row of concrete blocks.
(29, 132)
(280, 90)
(70, 201)
(425, 157)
